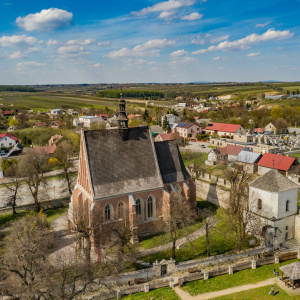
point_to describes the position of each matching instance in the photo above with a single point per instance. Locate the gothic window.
(120, 210)
(107, 212)
(259, 204)
(287, 205)
(150, 207)
(138, 207)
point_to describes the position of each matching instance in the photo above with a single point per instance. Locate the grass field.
(258, 294)
(228, 281)
(165, 293)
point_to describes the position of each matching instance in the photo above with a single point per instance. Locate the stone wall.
(297, 227)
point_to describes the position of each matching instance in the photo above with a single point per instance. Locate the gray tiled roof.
(274, 182)
(248, 157)
(292, 270)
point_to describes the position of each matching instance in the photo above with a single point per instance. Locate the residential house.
(165, 137)
(47, 150)
(258, 130)
(7, 140)
(6, 113)
(171, 119)
(126, 177)
(272, 129)
(39, 125)
(56, 112)
(248, 160)
(188, 130)
(222, 129)
(72, 112)
(282, 163)
(86, 121)
(223, 155)
(56, 124)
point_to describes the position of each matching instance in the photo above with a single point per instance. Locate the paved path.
(186, 296)
(191, 237)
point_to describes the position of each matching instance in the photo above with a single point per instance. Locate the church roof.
(133, 165)
(273, 182)
(170, 162)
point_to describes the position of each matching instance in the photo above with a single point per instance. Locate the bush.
(202, 137)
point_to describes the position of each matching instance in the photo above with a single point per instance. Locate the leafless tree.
(64, 153)
(32, 167)
(12, 188)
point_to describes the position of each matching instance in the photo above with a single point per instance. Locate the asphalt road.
(196, 147)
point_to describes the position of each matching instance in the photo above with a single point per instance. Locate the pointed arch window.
(120, 210)
(287, 205)
(150, 207)
(259, 204)
(138, 207)
(107, 212)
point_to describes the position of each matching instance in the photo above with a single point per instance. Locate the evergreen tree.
(165, 124)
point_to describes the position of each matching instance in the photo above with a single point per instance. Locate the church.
(127, 179)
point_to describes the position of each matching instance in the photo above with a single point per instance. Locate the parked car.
(203, 146)
(2, 152)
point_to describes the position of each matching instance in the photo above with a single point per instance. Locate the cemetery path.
(186, 296)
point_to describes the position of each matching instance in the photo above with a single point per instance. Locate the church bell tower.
(122, 118)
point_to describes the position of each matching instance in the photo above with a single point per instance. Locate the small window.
(287, 205)
(259, 204)
(120, 210)
(150, 207)
(286, 227)
(138, 207)
(107, 212)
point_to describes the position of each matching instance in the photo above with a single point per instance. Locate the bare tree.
(32, 167)
(64, 153)
(13, 186)
(178, 215)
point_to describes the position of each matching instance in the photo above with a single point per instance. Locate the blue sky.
(54, 42)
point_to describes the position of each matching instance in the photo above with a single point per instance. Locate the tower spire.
(122, 118)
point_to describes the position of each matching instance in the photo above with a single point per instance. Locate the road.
(196, 147)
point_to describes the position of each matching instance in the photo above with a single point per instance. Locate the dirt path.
(186, 296)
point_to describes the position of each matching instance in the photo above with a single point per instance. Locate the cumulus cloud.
(47, 19)
(219, 39)
(177, 54)
(31, 64)
(52, 43)
(103, 44)
(253, 54)
(17, 40)
(216, 58)
(248, 41)
(164, 6)
(165, 15)
(72, 51)
(81, 42)
(192, 17)
(150, 48)
(263, 24)
(16, 55)
(97, 65)
(198, 40)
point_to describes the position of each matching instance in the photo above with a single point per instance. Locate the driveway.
(196, 147)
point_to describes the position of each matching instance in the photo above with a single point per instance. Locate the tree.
(32, 167)
(13, 122)
(156, 110)
(277, 112)
(27, 247)
(178, 214)
(64, 153)
(26, 142)
(13, 186)
(165, 124)
(7, 163)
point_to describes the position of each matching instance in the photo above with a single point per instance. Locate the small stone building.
(127, 179)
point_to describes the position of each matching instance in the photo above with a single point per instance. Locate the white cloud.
(198, 40)
(33, 49)
(17, 40)
(164, 6)
(216, 58)
(263, 25)
(192, 17)
(16, 55)
(178, 54)
(81, 42)
(47, 19)
(52, 43)
(253, 54)
(185, 59)
(97, 65)
(72, 51)
(150, 48)
(103, 44)
(31, 64)
(165, 15)
(219, 39)
(248, 41)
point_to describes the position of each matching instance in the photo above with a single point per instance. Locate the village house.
(56, 112)
(171, 118)
(273, 203)
(222, 129)
(272, 129)
(6, 113)
(223, 155)
(8, 140)
(45, 150)
(86, 121)
(39, 125)
(72, 112)
(248, 160)
(165, 137)
(126, 179)
(283, 164)
(188, 130)
(56, 124)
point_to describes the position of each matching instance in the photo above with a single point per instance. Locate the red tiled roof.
(223, 127)
(56, 123)
(132, 116)
(39, 124)
(6, 112)
(168, 136)
(276, 161)
(9, 135)
(230, 150)
(103, 115)
(45, 149)
(259, 130)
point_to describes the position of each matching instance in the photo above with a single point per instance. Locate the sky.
(73, 42)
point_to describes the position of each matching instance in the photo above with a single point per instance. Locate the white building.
(8, 140)
(273, 203)
(86, 121)
(56, 112)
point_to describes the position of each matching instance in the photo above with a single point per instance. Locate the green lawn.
(196, 158)
(165, 293)
(228, 281)
(258, 294)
